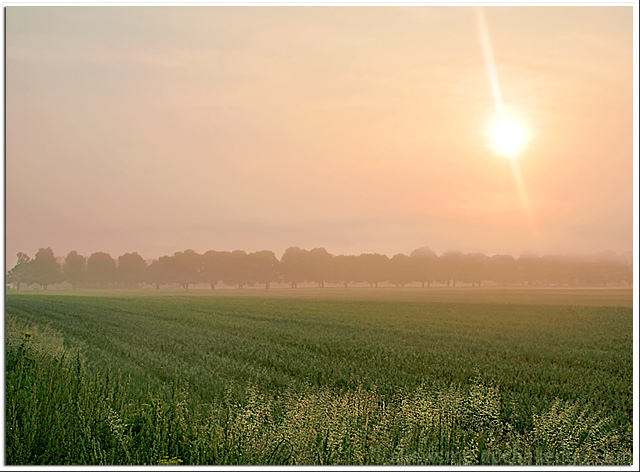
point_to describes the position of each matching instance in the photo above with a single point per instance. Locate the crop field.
(320, 376)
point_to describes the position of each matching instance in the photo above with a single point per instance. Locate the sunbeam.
(508, 136)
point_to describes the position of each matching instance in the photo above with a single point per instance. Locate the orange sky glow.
(357, 129)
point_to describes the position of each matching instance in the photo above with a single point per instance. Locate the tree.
(101, 269)
(374, 268)
(160, 271)
(292, 266)
(131, 267)
(555, 269)
(21, 272)
(74, 269)
(263, 267)
(212, 267)
(318, 266)
(346, 270)
(503, 269)
(473, 269)
(530, 268)
(424, 264)
(187, 267)
(237, 269)
(451, 266)
(45, 270)
(400, 272)
(611, 269)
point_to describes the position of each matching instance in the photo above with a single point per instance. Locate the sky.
(157, 129)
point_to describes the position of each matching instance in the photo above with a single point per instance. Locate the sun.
(508, 136)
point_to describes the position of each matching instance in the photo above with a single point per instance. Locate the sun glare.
(508, 136)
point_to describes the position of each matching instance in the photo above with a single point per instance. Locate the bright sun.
(508, 136)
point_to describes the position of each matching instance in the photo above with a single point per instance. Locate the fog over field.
(498, 130)
(320, 235)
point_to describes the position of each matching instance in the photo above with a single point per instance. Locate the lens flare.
(508, 135)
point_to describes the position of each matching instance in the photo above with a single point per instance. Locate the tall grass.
(65, 407)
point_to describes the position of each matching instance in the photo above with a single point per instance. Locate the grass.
(320, 377)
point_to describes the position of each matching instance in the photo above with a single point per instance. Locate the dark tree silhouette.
(502, 269)
(74, 269)
(374, 268)
(474, 268)
(101, 269)
(318, 267)
(187, 268)
(237, 271)
(212, 267)
(160, 271)
(608, 268)
(263, 267)
(400, 270)
(45, 270)
(131, 269)
(293, 264)
(299, 265)
(21, 273)
(451, 266)
(346, 270)
(530, 269)
(556, 269)
(424, 264)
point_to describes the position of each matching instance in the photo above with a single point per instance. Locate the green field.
(320, 376)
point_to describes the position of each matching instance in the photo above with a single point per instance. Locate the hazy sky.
(358, 129)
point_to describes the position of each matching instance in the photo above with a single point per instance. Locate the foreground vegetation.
(397, 377)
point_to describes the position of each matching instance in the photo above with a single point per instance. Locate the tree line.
(298, 266)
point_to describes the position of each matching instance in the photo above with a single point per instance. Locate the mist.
(355, 129)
